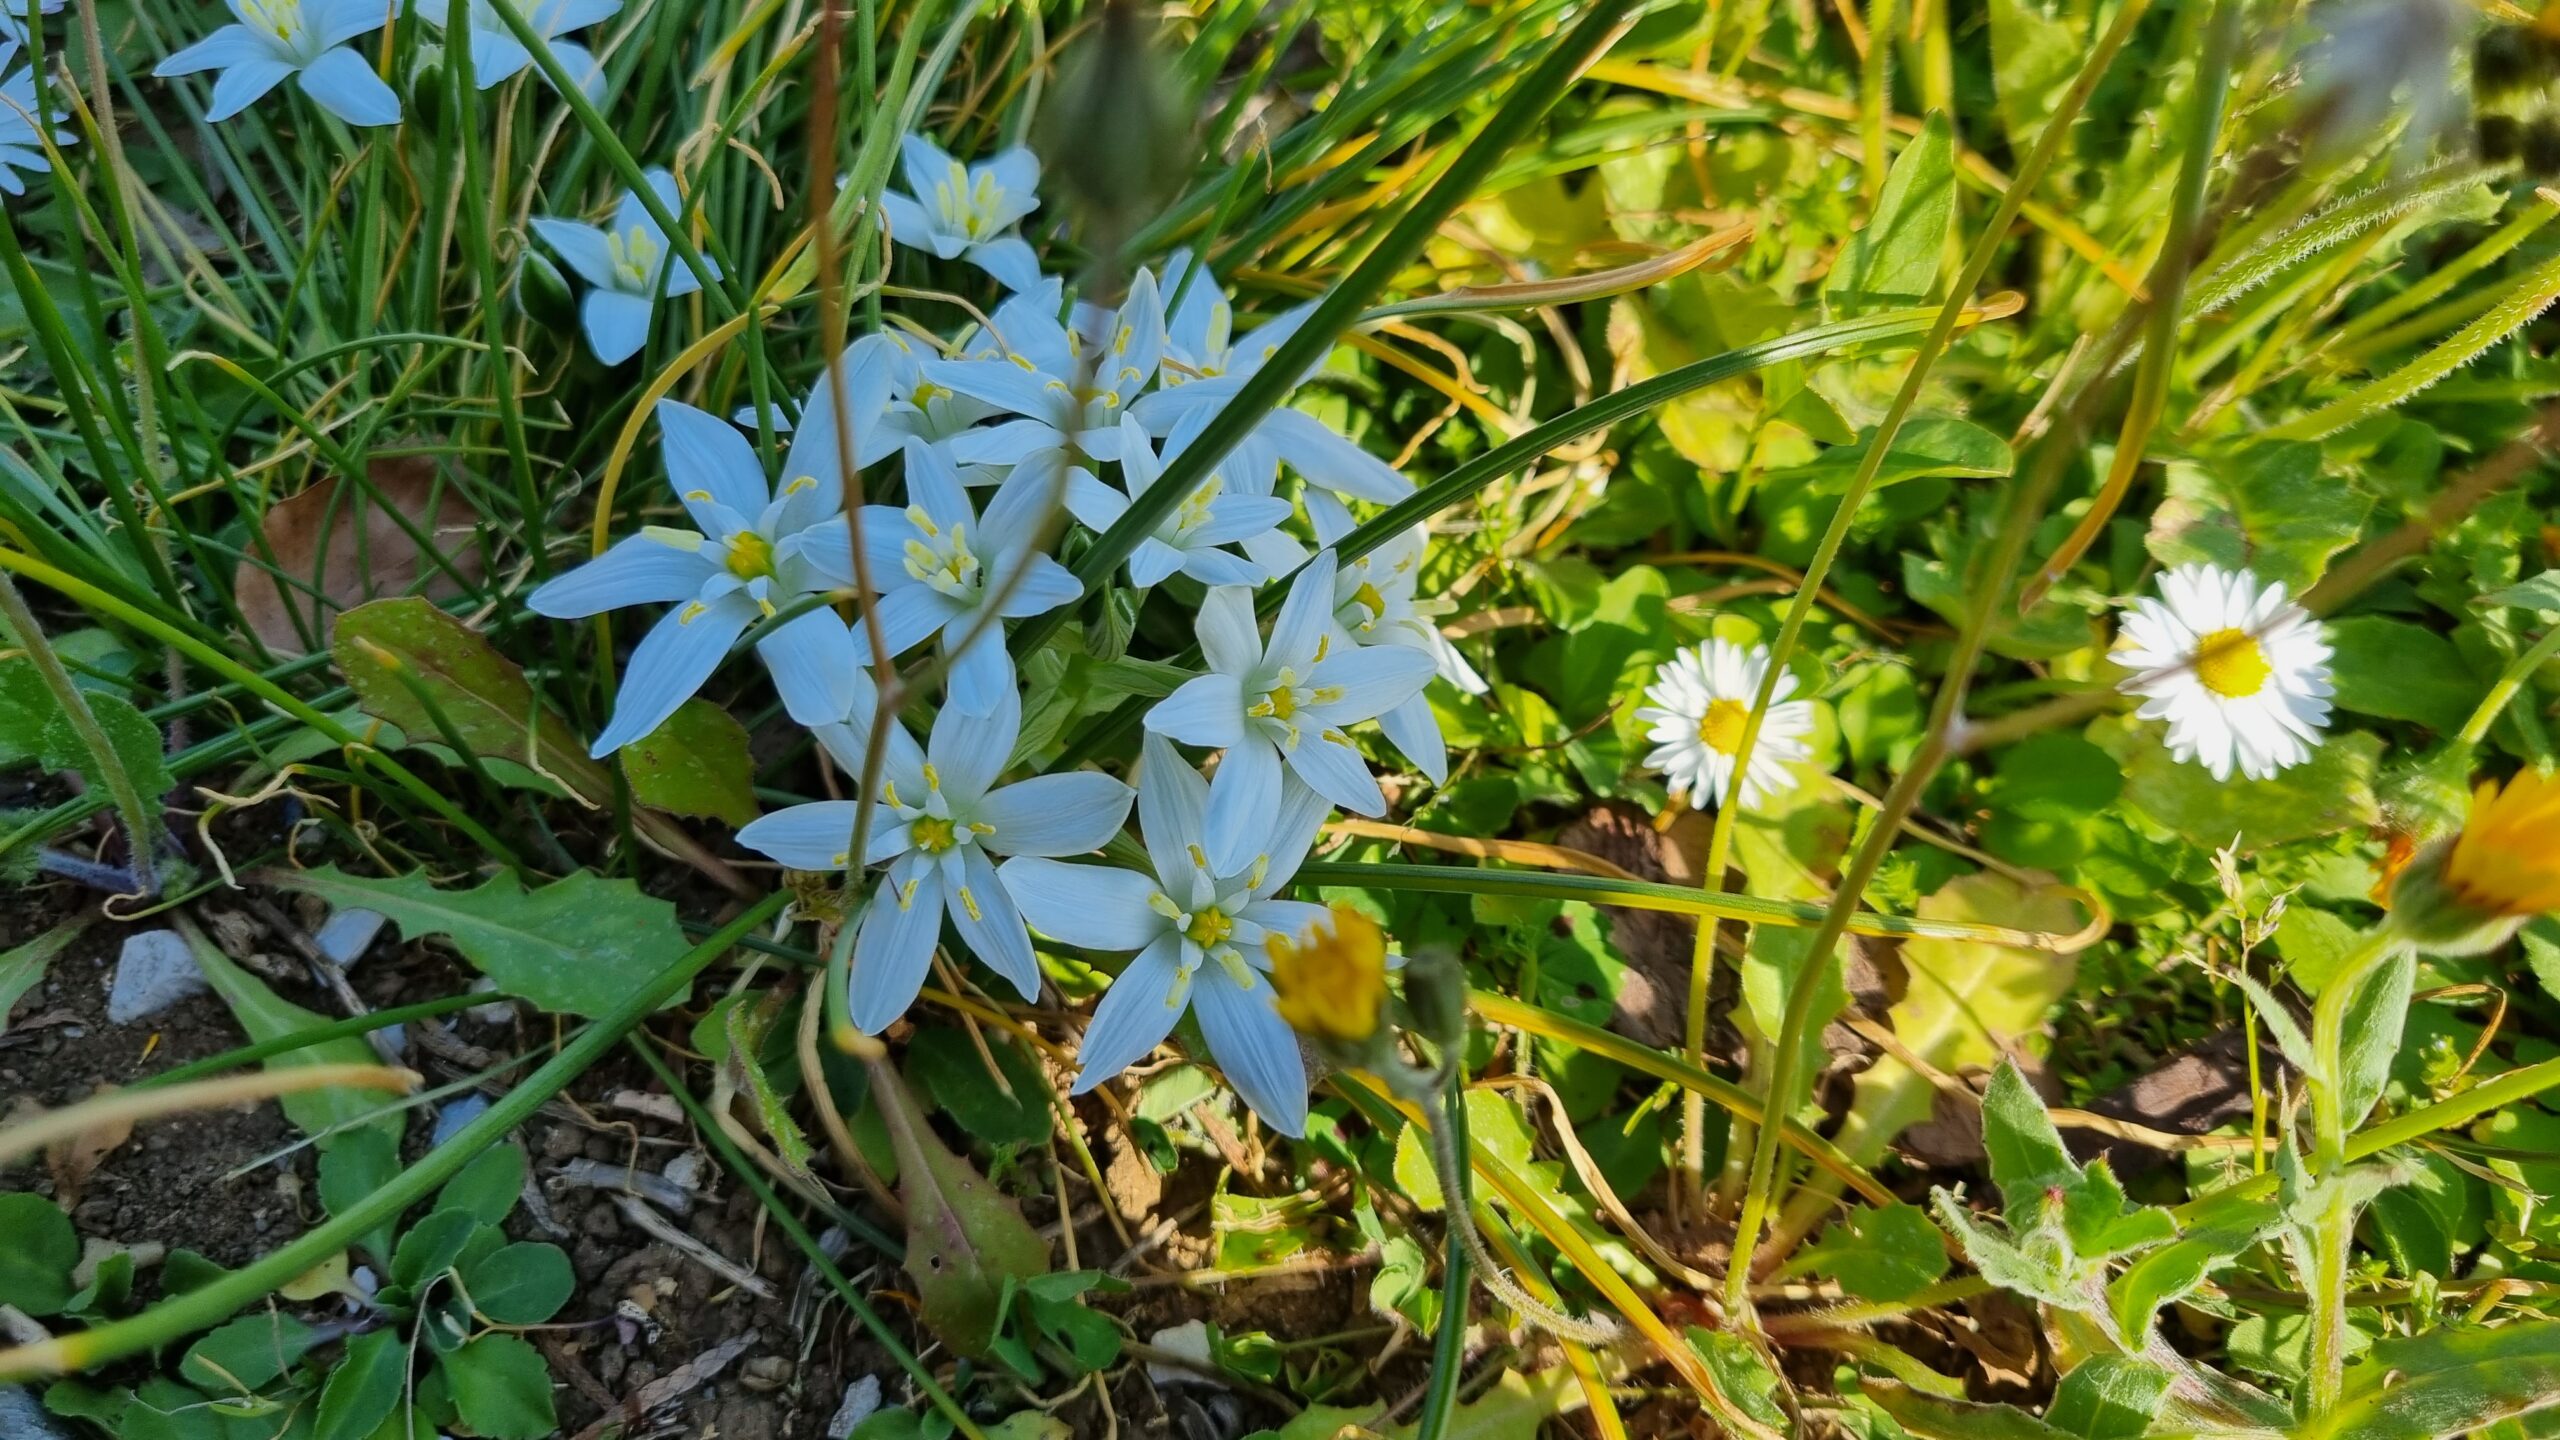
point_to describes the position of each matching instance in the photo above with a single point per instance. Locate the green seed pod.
(1113, 133)
(430, 98)
(542, 292)
(1435, 990)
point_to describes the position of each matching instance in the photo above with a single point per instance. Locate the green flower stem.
(1790, 1042)
(2333, 1230)
(1521, 110)
(2511, 679)
(196, 1309)
(141, 829)
(1449, 1346)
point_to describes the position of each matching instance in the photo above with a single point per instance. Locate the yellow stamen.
(750, 555)
(2232, 664)
(1209, 928)
(933, 834)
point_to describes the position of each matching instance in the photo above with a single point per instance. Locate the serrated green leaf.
(2377, 1011)
(363, 1388)
(577, 945)
(2445, 1383)
(2026, 1151)
(501, 1387)
(2173, 1271)
(483, 694)
(431, 1247)
(2542, 593)
(1878, 1252)
(694, 764)
(1930, 1417)
(2268, 510)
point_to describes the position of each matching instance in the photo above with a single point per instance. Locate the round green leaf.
(521, 1284)
(37, 1251)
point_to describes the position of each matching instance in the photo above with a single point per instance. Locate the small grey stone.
(347, 935)
(23, 1418)
(453, 1115)
(861, 1399)
(154, 972)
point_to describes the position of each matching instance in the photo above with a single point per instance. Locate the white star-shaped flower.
(937, 817)
(757, 549)
(1191, 539)
(1199, 930)
(967, 212)
(306, 39)
(497, 56)
(1282, 707)
(628, 267)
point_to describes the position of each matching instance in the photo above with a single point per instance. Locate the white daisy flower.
(1198, 929)
(628, 268)
(758, 548)
(2240, 673)
(1282, 707)
(938, 816)
(967, 212)
(1701, 702)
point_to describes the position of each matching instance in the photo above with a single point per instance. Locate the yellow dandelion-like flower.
(2507, 859)
(1331, 983)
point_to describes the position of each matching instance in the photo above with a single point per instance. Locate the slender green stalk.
(2516, 308)
(364, 1024)
(2510, 680)
(208, 1305)
(141, 828)
(1449, 1346)
(1987, 248)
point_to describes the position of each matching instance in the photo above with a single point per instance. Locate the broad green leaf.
(1788, 846)
(501, 1386)
(1929, 1417)
(320, 1114)
(1878, 1252)
(577, 945)
(242, 1357)
(2269, 510)
(2108, 1397)
(1517, 1407)
(2036, 47)
(2401, 671)
(22, 967)
(2174, 1270)
(2027, 1157)
(2542, 593)
(964, 1236)
(946, 1066)
(1493, 1122)
(483, 695)
(2377, 1011)
(2445, 1383)
(751, 1031)
(694, 764)
(2330, 792)
(363, 1387)
(33, 727)
(1926, 445)
(487, 1189)
(1740, 1373)
(362, 1162)
(431, 1247)
(1965, 1000)
(521, 1284)
(38, 1250)
(1894, 258)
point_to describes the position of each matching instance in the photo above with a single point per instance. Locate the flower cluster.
(1055, 412)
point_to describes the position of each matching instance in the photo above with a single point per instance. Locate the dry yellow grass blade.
(126, 1107)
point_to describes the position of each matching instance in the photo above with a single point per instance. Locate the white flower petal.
(1064, 814)
(636, 571)
(1253, 1045)
(669, 664)
(895, 947)
(982, 910)
(1206, 710)
(1096, 907)
(1244, 796)
(1134, 1015)
(815, 836)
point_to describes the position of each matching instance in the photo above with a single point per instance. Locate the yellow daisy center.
(2232, 664)
(750, 555)
(1721, 727)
